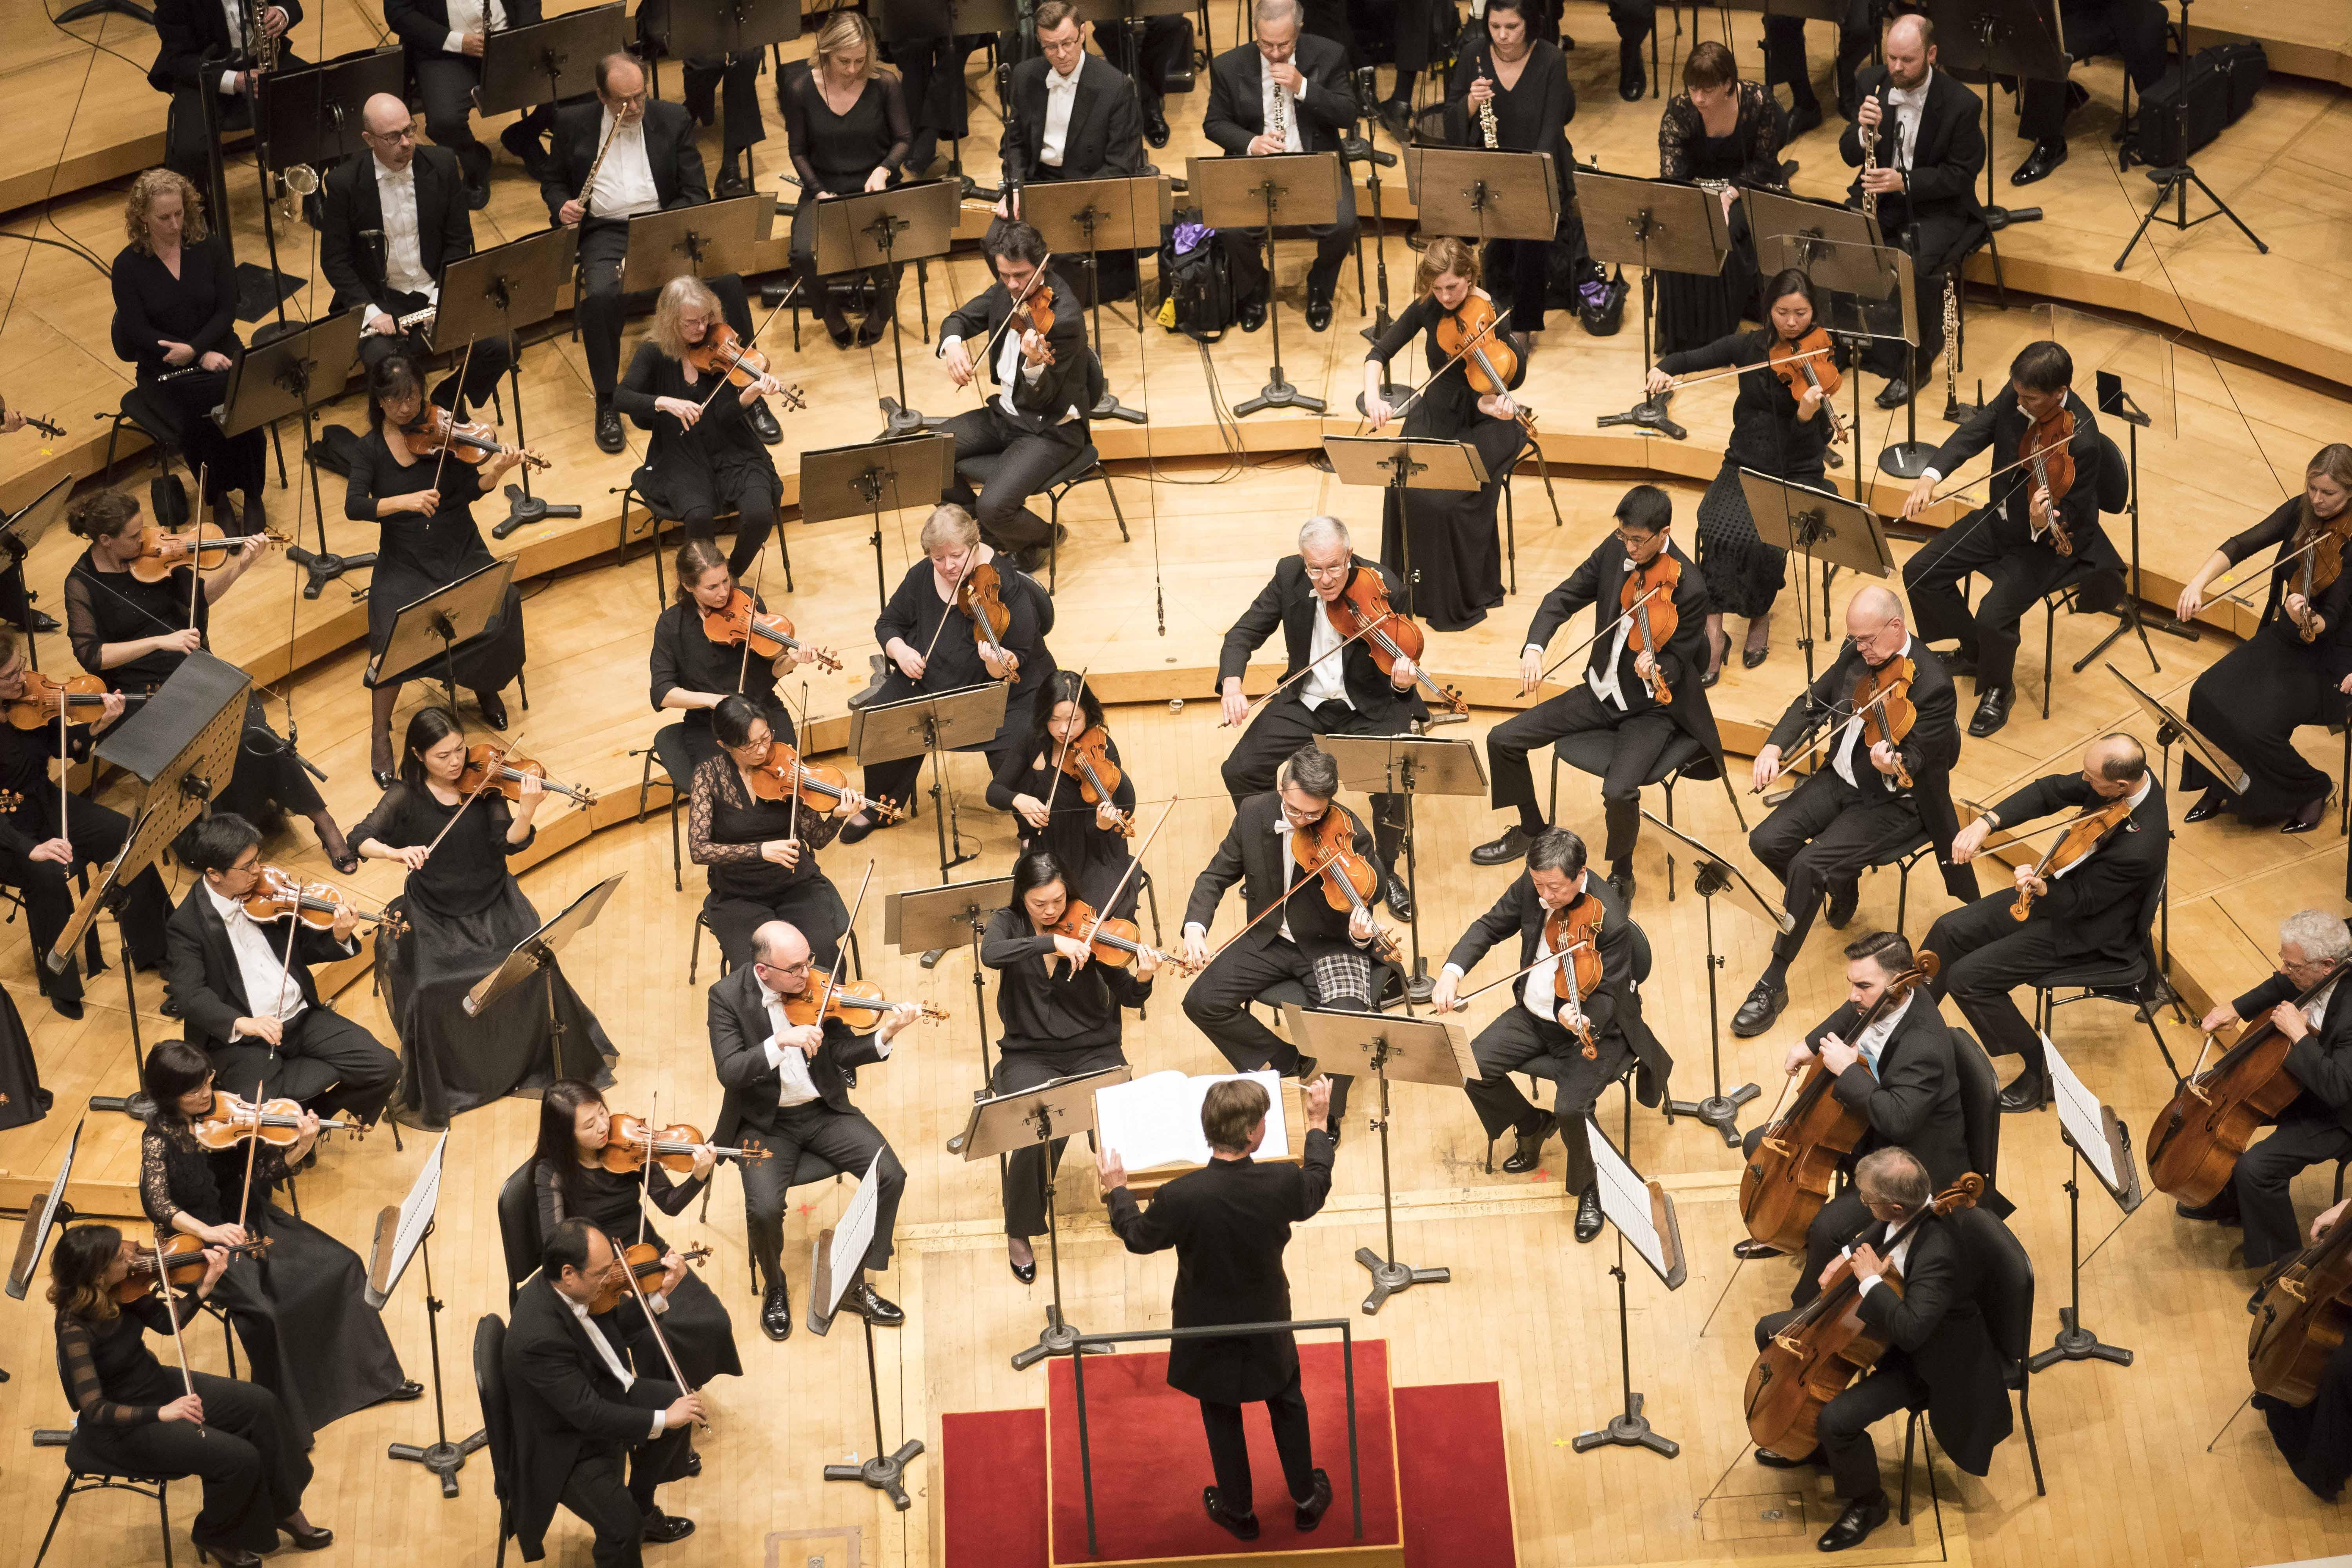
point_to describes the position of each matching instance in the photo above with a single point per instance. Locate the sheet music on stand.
(40, 1220)
(1641, 1210)
(2094, 1131)
(846, 1260)
(2217, 761)
(399, 1228)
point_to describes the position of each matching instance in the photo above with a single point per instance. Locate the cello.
(2299, 1318)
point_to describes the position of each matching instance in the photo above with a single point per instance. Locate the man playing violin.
(1542, 1031)
(1038, 422)
(788, 1091)
(1329, 686)
(1855, 808)
(246, 998)
(2316, 1127)
(2014, 541)
(1617, 692)
(2088, 910)
(1303, 938)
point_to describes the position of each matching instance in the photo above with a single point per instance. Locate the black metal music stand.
(2174, 180)
(502, 291)
(1262, 193)
(404, 1230)
(1096, 215)
(300, 117)
(937, 723)
(550, 61)
(879, 229)
(893, 474)
(931, 920)
(1645, 1211)
(728, 29)
(431, 629)
(907, 21)
(2172, 729)
(1412, 766)
(41, 1218)
(2117, 404)
(1395, 464)
(1816, 524)
(1658, 226)
(284, 376)
(537, 954)
(839, 1256)
(1711, 876)
(2084, 1123)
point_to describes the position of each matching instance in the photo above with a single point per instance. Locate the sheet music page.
(1625, 1199)
(854, 1234)
(416, 1216)
(2080, 1113)
(1155, 1120)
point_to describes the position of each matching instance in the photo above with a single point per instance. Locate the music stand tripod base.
(2076, 1342)
(1647, 414)
(1631, 1430)
(1058, 1338)
(444, 1460)
(899, 421)
(885, 1473)
(1720, 1111)
(1907, 460)
(1395, 1278)
(1279, 393)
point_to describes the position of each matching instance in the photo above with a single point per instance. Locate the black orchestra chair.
(519, 1237)
(1591, 752)
(2004, 1275)
(498, 1419)
(1903, 855)
(2138, 984)
(1084, 467)
(1981, 1115)
(668, 748)
(660, 510)
(85, 1474)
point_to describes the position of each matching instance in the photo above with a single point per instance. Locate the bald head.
(621, 84)
(1910, 50)
(1873, 622)
(2115, 765)
(385, 127)
(782, 954)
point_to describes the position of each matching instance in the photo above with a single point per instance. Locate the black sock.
(1776, 973)
(1402, 91)
(1620, 868)
(1531, 821)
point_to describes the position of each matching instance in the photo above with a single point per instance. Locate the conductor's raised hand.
(1111, 1174)
(1318, 1103)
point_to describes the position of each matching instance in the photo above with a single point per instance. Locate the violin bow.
(253, 1144)
(449, 431)
(1840, 723)
(1062, 753)
(197, 572)
(1683, 382)
(751, 617)
(841, 949)
(1463, 1000)
(1300, 674)
(2305, 548)
(793, 825)
(969, 562)
(1606, 628)
(646, 1181)
(653, 1319)
(747, 343)
(171, 1314)
(1314, 878)
(1035, 278)
(1102, 911)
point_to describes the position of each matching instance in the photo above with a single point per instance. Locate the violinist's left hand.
(1147, 964)
(852, 802)
(1568, 1017)
(1107, 817)
(1867, 1264)
(1402, 673)
(1360, 926)
(255, 543)
(1033, 348)
(1006, 668)
(2290, 1021)
(2027, 882)
(499, 465)
(1809, 403)
(673, 1271)
(900, 1017)
(2039, 508)
(306, 1134)
(345, 923)
(1644, 665)
(1882, 758)
(533, 794)
(1836, 1055)
(1498, 405)
(110, 709)
(705, 1162)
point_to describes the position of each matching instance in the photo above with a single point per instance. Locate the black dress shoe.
(1749, 658)
(1803, 117)
(66, 1006)
(1244, 1526)
(1587, 1213)
(1318, 312)
(1306, 1515)
(478, 196)
(2222, 1210)
(1764, 1003)
(692, 1467)
(1993, 711)
(228, 1556)
(776, 1310)
(2046, 155)
(856, 832)
(410, 1388)
(1155, 129)
(1773, 1460)
(526, 147)
(1854, 1525)
(1842, 898)
(1252, 315)
(1529, 1153)
(170, 1009)
(732, 183)
(763, 424)
(608, 430)
(1711, 677)
(314, 1538)
(2210, 805)
(1632, 81)
(383, 780)
(668, 1529)
(43, 622)
(1622, 881)
(2309, 816)
(871, 1307)
(1748, 1251)
(1511, 846)
(493, 707)
(2025, 1092)
(1398, 898)
(1894, 393)
(1397, 115)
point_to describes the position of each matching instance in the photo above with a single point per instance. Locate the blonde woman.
(847, 123)
(176, 310)
(704, 458)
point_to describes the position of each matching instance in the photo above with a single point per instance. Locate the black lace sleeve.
(83, 633)
(89, 1401)
(155, 1181)
(1678, 127)
(709, 780)
(894, 112)
(1759, 132)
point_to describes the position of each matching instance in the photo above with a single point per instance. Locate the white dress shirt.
(1894, 1261)
(794, 1087)
(604, 1349)
(1269, 90)
(2315, 1013)
(466, 17)
(1606, 685)
(2146, 782)
(261, 965)
(1538, 996)
(235, 11)
(625, 181)
(1851, 756)
(403, 257)
(1906, 104)
(1327, 676)
(1061, 99)
(1870, 1044)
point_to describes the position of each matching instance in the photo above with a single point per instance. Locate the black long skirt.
(312, 1339)
(488, 662)
(2316, 1439)
(1743, 574)
(1454, 565)
(266, 780)
(23, 1100)
(2250, 705)
(700, 1334)
(451, 1062)
(1694, 310)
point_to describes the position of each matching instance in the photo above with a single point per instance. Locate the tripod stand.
(2174, 179)
(2115, 402)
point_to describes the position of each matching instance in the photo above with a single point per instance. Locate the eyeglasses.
(392, 138)
(800, 968)
(1326, 573)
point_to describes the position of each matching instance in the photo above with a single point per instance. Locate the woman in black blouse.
(929, 646)
(1524, 81)
(1446, 544)
(175, 310)
(761, 854)
(2253, 701)
(131, 1416)
(1044, 801)
(705, 457)
(1773, 431)
(845, 120)
(691, 673)
(299, 1308)
(1719, 128)
(133, 635)
(574, 1125)
(1061, 1015)
(424, 507)
(465, 915)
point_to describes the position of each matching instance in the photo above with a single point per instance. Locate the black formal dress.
(417, 556)
(719, 466)
(466, 912)
(300, 1309)
(1784, 55)
(1318, 118)
(1744, 573)
(1229, 1223)
(2316, 1129)
(697, 1326)
(1531, 117)
(836, 155)
(49, 891)
(1095, 855)
(198, 308)
(1937, 216)
(446, 76)
(20, 1072)
(725, 827)
(1102, 139)
(1446, 544)
(248, 1453)
(2274, 683)
(2316, 1439)
(1028, 430)
(684, 658)
(1056, 1024)
(1695, 311)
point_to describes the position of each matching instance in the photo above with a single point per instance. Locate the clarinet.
(1486, 112)
(1278, 126)
(1870, 155)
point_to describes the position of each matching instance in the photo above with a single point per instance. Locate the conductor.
(1229, 1223)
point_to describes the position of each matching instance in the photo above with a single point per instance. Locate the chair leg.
(2049, 647)
(1669, 783)
(1910, 1437)
(1551, 812)
(279, 448)
(784, 541)
(1111, 490)
(694, 954)
(2157, 1034)
(2025, 1419)
(66, 1493)
(677, 861)
(1053, 542)
(1151, 897)
(228, 1343)
(164, 1512)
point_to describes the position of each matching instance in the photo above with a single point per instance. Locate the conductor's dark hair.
(1017, 240)
(1710, 66)
(1557, 849)
(2044, 366)
(1314, 770)
(1890, 950)
(1062, 686)
(79, 1260)
(2128, 765)
(1230, 1108)
(732, 721)
(1647, 508)
(395, 375)
(215, 841)
(173, 1067)
(1039, 869)
(428, 729)
(566, 1247)
(558, 1151)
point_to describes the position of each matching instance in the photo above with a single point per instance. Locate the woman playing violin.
(704, 458)
(464, 914)
(1776, 429)
(760, 848)
(1062, 1015)
(1039, 782)
(135, 1416)
(309, 1333)
(424, 505)
(1451, 536)
(133, 635)
(569, 1175)
(692, 673)
(2296, 669)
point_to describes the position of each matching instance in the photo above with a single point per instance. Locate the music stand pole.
(2076, 1342)
(2133, 616)
(441, 1456)
(1632, 1429)
(1718, 1109)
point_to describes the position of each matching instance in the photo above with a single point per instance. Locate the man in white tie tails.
(1075, 117)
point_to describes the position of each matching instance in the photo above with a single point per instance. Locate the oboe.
(1870, 157)
(595, 164)
(1278, 125)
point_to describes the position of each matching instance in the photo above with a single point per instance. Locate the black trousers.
(1633, 18)
(1229, 1447)
(97, 833)
(1167, 46)
(1784, 55)
(938, 101)
(322, 1059)
(2308, 1134)
(698, 492)
(1518, 1041)
(1986, 955)
(1218, 1004)
(1825, 836)
(1283, 726)
(813, 904)
(1642, 739)
(845, 1140)
(618, 1513)
(2017, 569)
(1024, 463)
(603, 247)
(742, 127)
(819, 295)
(1246, 254)
(1029, 1168)
(491, 359)
(2133, 30)
(1846, 1422)
(247, 1453)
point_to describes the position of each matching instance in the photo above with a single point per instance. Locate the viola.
(1648, 595)
(1787, 1178)
(722, 352)
(2082, 835)
(2300, 1316)
(1572, 932)
(437, 431)
(316, 904)
(277, 1123)
(81, 697)
(820, 788)
(1806, 365)
(1827, 1345)
(1113, 941)
(857, 1003)
(1883, 697)
(981, 595)
(644, 1261)
(1087, 761)
(43, 425)
(2044, 452)
(2218, 1109)
(181, 1261)
(1327, 849)
(630, 1141)
(770, 634)
(1363, 607)
(163, 551)
(490, 765)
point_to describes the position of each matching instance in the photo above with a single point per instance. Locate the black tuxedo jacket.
(565, 1401)
(350, 246)
(738, 1037)
(1229, 1223)
(669, 149)
(2002, 424)
(1288, 600)
(201, 973)
(2321, 1061)
(1105, 139)
(1914, 1101)
(1067, 383)
(1928, 751)
(424, 24)
(1260, 858)
(2094, 908)
(1599, 581)
(1237, 97)
(1948, 160)
(193, 41)
(1937, 1322)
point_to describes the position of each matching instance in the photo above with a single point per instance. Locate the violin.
(435, 431)
(1087, 761)
(2299, 1318)
(820, 788)
(1363, 607)
(722, 352)
(1805, 366)
(1467, 333)
(1035, 315)
(630, 1140)
(2082, 835)
(2322, 562)
(1326, 848)
(644, 1261)
(490, 765)
(316, 904)
(1827, 1345)
(1787, 1178)
(80, 696)
(1883, 697)
(2218, 1110)
(1655, 620)
(1572, 932)
(43, 425)
(277, 1123)
(2045, 452)
(770, 634)
(827, 997)
(181, 1261)
(1113, 941)
(163, 551)
(981, 595)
